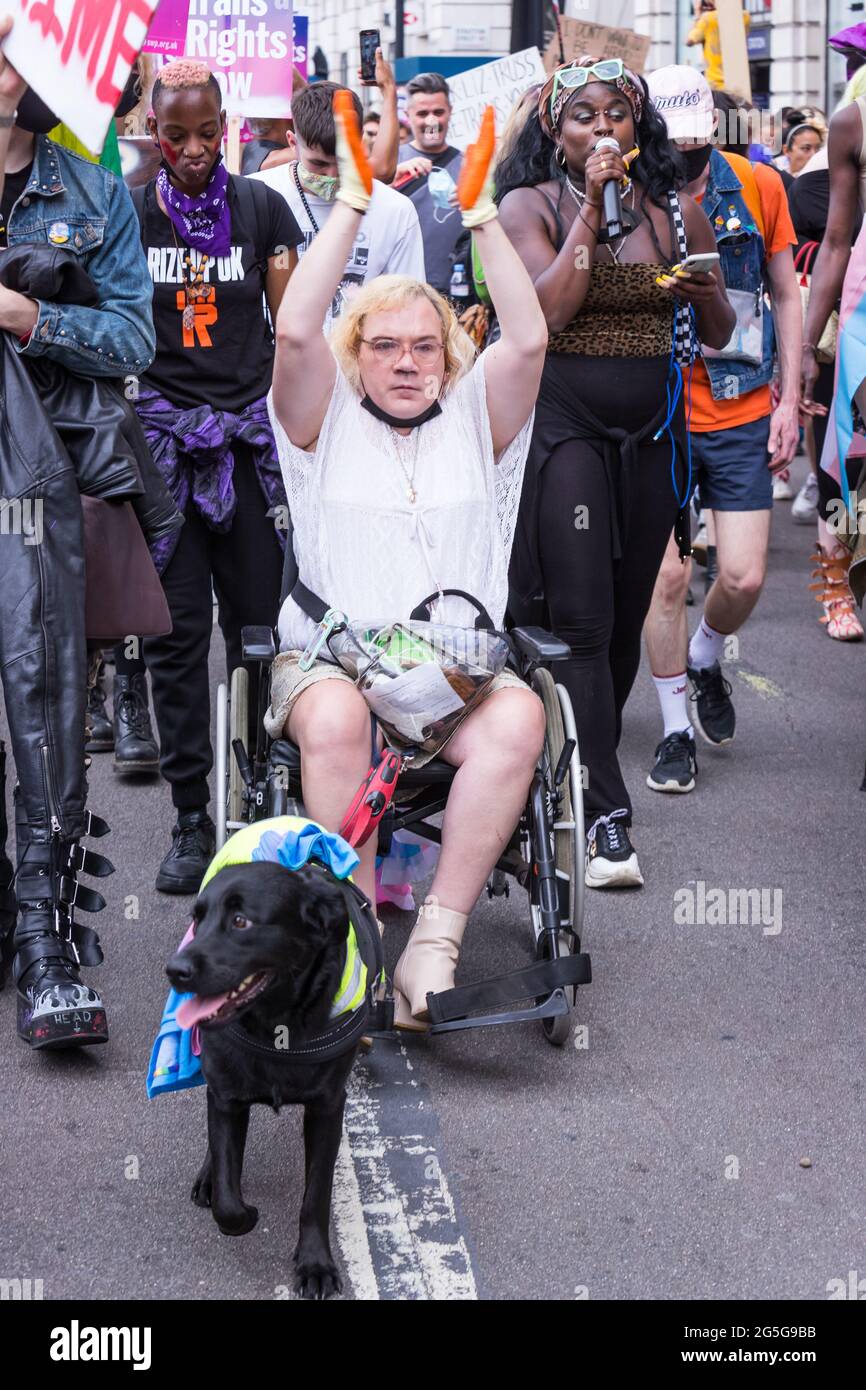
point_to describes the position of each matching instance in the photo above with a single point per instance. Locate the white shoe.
(611, 861)
(781, 490)
(805, 508)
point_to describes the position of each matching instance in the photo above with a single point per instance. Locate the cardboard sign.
(496, 84)
(601, 41)
(250, 55)
(76, 55)
(735, 52)
(167, 32)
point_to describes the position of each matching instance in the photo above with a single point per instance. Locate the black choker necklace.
(398, 421)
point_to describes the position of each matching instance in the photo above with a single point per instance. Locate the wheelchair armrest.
(539, 645)
(257, 644)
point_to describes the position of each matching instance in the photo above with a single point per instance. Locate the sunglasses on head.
(608, 70)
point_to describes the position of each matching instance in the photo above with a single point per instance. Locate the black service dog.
(265, 965)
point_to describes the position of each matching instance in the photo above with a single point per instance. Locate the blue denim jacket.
(743, 261)
(70, 202)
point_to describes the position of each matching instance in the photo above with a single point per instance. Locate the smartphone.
(701, 264)
(370, 41)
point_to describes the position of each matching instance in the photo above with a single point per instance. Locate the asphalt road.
(660, 1160)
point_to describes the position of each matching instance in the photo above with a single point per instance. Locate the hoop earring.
(560, 157)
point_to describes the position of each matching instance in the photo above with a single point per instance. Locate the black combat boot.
(55, 1007)
(100, 733)
(8, 908)
(135, 747)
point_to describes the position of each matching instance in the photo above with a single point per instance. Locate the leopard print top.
(625, 314)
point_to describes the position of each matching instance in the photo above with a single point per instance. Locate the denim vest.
(69, 202)
(743, 259)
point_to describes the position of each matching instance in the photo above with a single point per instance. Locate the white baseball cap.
(683, 98)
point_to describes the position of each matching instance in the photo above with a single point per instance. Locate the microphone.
(612, 199)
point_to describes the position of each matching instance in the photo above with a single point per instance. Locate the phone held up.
(370, 41)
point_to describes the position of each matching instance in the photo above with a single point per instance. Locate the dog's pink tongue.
(200, 1006)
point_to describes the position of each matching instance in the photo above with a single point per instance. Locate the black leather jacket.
(60, 434)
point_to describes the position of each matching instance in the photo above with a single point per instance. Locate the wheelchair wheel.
(221, 760)
(557, 1030)
(575, 779)
(564, 840)
(238, 728)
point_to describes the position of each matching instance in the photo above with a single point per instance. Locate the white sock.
(706, 647)
(672, 691)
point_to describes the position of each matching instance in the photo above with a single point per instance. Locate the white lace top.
(364, 548)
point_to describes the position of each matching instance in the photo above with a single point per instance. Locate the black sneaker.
(610, 858)
(714, 712)
(193, 845)
(676, 764)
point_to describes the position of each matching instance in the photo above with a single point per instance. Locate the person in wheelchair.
(403, 459)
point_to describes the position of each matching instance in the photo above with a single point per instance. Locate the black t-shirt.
(255, 152)
(12, 189)
(226, 358)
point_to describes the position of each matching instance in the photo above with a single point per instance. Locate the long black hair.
(530, 159)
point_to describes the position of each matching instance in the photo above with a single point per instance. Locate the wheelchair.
(545, 858)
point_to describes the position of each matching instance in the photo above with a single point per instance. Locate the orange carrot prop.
(347, 117)
(476, 162)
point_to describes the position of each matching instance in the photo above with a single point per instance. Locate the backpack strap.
(252, 202)
(138, 195)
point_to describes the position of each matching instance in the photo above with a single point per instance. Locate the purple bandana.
(204, 221)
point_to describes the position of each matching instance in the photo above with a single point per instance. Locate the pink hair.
(184, 72)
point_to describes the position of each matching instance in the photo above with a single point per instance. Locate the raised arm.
(843, 150)
(514, 364)
(304, 366)
(383, 157)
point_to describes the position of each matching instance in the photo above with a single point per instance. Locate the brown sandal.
(833, 592)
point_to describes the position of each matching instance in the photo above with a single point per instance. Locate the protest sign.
(496, 84)
(246, 52)
(301, 43)
(167, 32)
(735, 53)
(76, 55)
(600, 40)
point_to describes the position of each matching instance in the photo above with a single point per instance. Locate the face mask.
(441, 186)
(396, 420)
(694, 161)
(33, 115)
(322, 186)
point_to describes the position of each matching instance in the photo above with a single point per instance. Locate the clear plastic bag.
(420, 679)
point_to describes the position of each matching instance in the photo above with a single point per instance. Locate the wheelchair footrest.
(533, 980)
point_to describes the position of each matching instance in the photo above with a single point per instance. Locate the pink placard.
(167, 32)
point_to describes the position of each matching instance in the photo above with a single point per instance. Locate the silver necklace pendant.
(396, 446)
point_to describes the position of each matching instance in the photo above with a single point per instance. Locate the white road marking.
(349, 1220)
(396, 1219)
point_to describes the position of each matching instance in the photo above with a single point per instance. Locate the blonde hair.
(394, 292)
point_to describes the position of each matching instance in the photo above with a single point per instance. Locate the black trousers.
(244, 569)
(596, 604)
